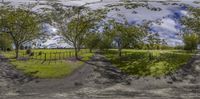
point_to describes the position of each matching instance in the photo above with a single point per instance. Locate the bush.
(28, 51)
(191, 41)
(31, 54)
(40, 53)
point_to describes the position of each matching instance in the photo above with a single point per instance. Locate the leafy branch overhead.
(75, 23)
(22, 25)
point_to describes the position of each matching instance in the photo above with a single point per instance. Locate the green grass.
(149, 63)
(51, 68)
(50, 53)
(47, 70)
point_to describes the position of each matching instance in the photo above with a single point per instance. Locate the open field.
(149, 62)
(56, 64)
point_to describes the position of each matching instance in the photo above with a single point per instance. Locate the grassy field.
(149, 63)
(49, 68)
(133, 62)
(50, 53)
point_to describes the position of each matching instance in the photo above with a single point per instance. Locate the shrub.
(28, 51)
(40, 53)
(31, 54)
(191, 41)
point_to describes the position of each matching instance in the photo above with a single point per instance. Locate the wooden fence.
(51, 56)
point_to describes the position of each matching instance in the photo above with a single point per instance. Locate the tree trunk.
(17, 51)
(120, 52)
(119, 49)
(90, 50)
(76, 53)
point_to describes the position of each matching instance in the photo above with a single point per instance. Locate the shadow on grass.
(149, 63)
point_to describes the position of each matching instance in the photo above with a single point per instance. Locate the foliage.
(191, 41)
(155, 42)
(92, 41)
(75, 28)
(21, 25)
(192, 22)
(5, 42)
(126, 36)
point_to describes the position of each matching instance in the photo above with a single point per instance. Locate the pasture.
(57, 63)
(48, 63)
(149, 62)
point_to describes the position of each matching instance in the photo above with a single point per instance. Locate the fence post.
(45, 56)
(41, 56)
(59, 56)
(36, 55)
(50, 56)
(63, 55)
(55, 56)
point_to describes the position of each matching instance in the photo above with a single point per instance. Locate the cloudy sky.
(168, 14)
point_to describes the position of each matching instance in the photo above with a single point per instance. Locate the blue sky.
(168, 16)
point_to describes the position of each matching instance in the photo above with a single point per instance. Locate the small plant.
(28, 51)
(40, 53)
(31, 54)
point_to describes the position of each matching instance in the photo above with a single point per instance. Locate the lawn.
(50, 68)
(149, 63)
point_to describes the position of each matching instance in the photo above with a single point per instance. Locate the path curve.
(98, 79)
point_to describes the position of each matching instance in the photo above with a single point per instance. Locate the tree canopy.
(21, 25)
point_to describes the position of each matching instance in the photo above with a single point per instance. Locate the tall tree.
(126, 35)
(21, 24)
(5, 42)
(75, 27)
(192, 21)
(191, 41)
(92, 41)
(154, 41)
(192, 24)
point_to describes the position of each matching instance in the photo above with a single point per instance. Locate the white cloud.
(167, 29)
(167, 25)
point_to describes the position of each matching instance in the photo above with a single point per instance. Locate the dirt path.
(98, 79)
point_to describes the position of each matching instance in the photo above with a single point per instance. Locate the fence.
(51, 56)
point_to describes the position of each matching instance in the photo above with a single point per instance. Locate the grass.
(149, 63)
(50, 53)
(133, 62)
(46, 70)
(50, 68)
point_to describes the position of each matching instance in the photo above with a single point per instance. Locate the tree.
(5, 42)
(191, 41)
(192, 22)
(126, 36)
(154, 41)
(74, 28)
(21, 24)
(92, 41)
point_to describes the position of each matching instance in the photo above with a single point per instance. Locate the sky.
(169, 16)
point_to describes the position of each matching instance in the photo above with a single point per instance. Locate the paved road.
(98, 79)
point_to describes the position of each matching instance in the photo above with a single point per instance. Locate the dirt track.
(99, 79)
